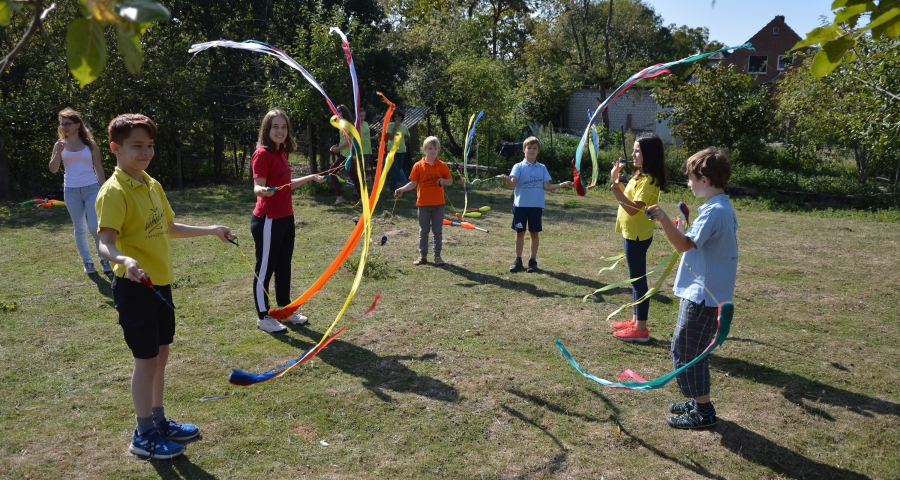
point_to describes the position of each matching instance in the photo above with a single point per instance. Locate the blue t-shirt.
(714, 259)
(529, 190)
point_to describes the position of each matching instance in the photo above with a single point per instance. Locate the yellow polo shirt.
(638, 226)
(141, 214)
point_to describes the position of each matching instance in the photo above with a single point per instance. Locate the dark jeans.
(636, 256)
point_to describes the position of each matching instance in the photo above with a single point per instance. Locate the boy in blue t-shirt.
(706, 278)
(529, 179)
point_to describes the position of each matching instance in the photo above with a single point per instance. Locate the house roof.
(778, 21)
(413, 116)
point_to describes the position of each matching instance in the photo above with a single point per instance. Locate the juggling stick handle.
(648, 215)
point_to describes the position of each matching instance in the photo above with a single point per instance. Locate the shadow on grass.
(760, 450)
(613, 418)
(379, 372)
(689, 464)
(481, 279)
(554, 464)
(103, 284)
(180, 467)
(798, 389)
(786, 350)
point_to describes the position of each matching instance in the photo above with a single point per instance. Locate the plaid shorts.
(696, 326)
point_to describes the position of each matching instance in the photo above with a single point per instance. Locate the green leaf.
(831, 55)
(817, 35)
(142, 11)
(130, 47)
(85, 50)
(852, 11)
(5, 13)
(883, 19)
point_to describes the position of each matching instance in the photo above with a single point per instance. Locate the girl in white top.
(82, 178)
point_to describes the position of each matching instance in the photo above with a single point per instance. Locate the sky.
(733, 22)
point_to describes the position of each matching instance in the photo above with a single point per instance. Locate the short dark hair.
(120, 127)
(711, 163)
(264, 141)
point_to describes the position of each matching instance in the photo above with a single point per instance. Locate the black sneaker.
(532, 265)
(691, 420)
(516, 266)
(679, 408)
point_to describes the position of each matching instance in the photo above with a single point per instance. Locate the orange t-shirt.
(428, 192)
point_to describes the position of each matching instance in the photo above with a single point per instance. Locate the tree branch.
(32, 29)
(879, 89)
(53, 50)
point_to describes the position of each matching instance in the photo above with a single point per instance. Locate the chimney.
(780, 18)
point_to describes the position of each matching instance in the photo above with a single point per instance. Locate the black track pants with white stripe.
(274, 251)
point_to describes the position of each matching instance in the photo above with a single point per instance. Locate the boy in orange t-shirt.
(429, 175)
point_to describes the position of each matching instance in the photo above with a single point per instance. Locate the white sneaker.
(270, 325)
(296, 319)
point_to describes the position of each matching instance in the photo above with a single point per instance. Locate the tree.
(840, 39)
(718, 107)
(86, 45)
(839, 110)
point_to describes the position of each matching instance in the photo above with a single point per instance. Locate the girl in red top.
(272, 223)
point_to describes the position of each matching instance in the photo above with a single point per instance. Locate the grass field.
(455, 374)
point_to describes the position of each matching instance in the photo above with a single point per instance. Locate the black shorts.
(527, 218)
(147, 322)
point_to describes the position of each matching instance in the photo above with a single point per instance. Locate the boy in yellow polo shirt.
(135, 224)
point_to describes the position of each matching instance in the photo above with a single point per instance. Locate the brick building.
(772, 53)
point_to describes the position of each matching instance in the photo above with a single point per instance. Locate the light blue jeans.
(80, 203)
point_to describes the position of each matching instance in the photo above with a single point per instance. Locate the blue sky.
(733, 22)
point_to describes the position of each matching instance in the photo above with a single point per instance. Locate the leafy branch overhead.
(840, 38)
(86, 49)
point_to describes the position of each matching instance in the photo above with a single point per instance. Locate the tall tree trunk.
(218, 155)
(311, 147)
(178, 164)
(445, 126)
(861, 154)
(5, 193)
(605, 113)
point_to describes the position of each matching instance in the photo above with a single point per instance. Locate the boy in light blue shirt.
(706, 278)
(529, 179)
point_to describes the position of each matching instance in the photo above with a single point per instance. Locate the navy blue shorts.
(146, 321)
(527, 218)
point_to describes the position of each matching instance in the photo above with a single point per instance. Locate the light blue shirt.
(529, 191)
(713, 262)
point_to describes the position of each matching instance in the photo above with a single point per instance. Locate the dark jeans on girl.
(636, 256)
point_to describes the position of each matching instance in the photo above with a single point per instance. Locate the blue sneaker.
(178, 431)
(154, 445)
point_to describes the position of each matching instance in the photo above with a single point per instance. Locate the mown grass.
(455, 373)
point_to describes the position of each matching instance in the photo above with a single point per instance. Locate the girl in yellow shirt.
(642, 190)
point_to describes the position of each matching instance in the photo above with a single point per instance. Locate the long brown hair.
(264, 141)
(74, 117)
(654, 153)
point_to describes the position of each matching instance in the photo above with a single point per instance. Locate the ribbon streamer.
(726, 313)
(649, 72)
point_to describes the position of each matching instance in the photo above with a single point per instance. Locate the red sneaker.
(632, 334)
(623, 324)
